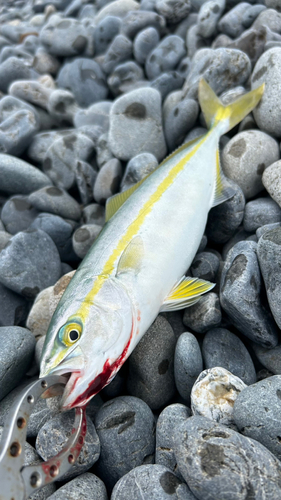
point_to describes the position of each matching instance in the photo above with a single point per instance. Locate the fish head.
(90, 344)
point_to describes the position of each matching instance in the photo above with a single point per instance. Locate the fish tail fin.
(227, 116)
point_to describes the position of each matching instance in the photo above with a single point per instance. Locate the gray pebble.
(96, 115)
(138, 168)
(246, 156)
(57, 228)
(103, 150)
(4, 237)
(54, 434)
(19, 122)
(145, 41)
(151, 365)
(62, 106)
(219, 464)
(125, 77)
(94, 214)
(45, 63)
(179, 121)
(173, 10)
(119, 50)
(119, 9)
(169, 419)
(105, 32)
(268, 70)
(126, 429)
(108, 181)
(85, 176)
(269, 18)
(267, 227)
(18, 176)
(15, 69)
(166, 56)
(32, 91)
(41, 142)
(251, 14)
(205, 266)
(205, 314)
(259, 212)
(270, 358)
(270, 261)
(184, 67)
(188, 364)
(16, 349)
(84, 237)
(240, 295)
(18, 213)
(57, 201)
(252, 42)
(223, 348)
(87, 486)
(85, 79)
(255, 413)
(137, 113)
(271, 180)
(138, 20)
(167, 82)
(151, 482)
(13, 309)
(195, 42)
(29, 263)
(208, 16)
(63, 37)
(231, 23)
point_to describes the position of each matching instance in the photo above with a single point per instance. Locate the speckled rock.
(137, 169)
(245, 158)
(13, 309)
(18, 213)
(208, 16)
(31, 91)
(63, 37)
(126, 429)
(137, 113)
(29, 263)
(59, 229)
(271, 180)
(15, 69)
(269, 358)
(259, 212)
(188, 364)
(145, 41)
(205, 265)
(56, 201)
(87, 486)
(179, 121)
(107, 181)
(54, 434)
(19, 122)
(18, 176)
(84, 237)
(166, 56)
(231, 22)
(269, 256)
(222, 348)
(240, 295)
(205, 314)
(151, 365)
(85, 177)
(151, 482)
(16, 350)
(203, 446)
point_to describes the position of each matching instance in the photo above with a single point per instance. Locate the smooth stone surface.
(62, 106)
(103, 150)
(137, 169)
(4, 237)
(267, 227)
(105, 32)
(151, 365)
(269, 256)
(125, 77)
(126, 429)
(138, 20)
(271, 180)
(145, 41)
(208, 16)
(165, 57)
(231, 22)
(41, 143)
(63, 37)
(93, 214)
(245, 158)
(203, 315)
(31, 91)
(86, 486)
(85, 176)
(84, 237)
(268, 70)
(188, 364)
(54, 434)
(240, 290)
(96, 115)
(18, 176)
(15, 69)
(137, 113)
(179, 121)
(173, 10)
(151, 482)
(205, 266)
(56, 201)
(120, 50)
(17, 214)
(259, 212)
(269, 358)
(119, 8)
(57, 228)
(16, 350)
(169, 419)
(108, 181)
(167, 82)
(17, 130)
(214, 393)
(255, 413)
(14, 308)
(29, 263)
(222, 348)
(218, 463)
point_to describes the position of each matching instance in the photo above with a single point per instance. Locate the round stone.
(138, 168)
(145, 41)
(165, 57)
(18, 176)
(271, 180)
(259, 212)
(84, 237)
(56, 201)
(203, 315)
(107, 181)
(188, 364)
(18, 213)
(86, 486)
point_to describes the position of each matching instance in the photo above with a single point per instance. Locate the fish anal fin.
(223, 190)
(186, 293)
(131, 258)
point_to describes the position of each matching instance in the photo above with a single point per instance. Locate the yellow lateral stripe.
(132, 230)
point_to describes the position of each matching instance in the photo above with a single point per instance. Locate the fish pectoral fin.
(131, 258)
(186, 293)
(223, 190)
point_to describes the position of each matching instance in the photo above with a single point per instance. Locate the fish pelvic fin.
(186, 293)
(227, 116)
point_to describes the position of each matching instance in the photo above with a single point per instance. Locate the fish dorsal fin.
(186, 293)
(223, 190)
(131, 258)
(115, 202)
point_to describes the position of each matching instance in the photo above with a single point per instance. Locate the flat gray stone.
(18, 213)
(19, 177)
(87, 486)
(203, 315)
(188, 364)
(259, 212)
(84, 237)
(56, 201)
(13, 309)
(64, 37)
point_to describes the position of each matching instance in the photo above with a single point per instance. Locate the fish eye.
(73, 335)
(70, 333)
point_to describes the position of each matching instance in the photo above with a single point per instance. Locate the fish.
(137, 266)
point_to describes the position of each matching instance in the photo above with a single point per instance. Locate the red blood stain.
(46, 469)
(102, 379)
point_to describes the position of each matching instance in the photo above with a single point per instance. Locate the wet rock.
(137, 113)
(188, 364)
(137, 169)
(271, 180)
(203, 315)
(222, 348)
(17, 214)
(240, 295)
(126, 429)
(54, 434)
(87, 486)
(29, 263)
(56, 201)
(16, 350)
(107, 181)
(84, 237)
(165, 57)
(259, 212)
(18, 176)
